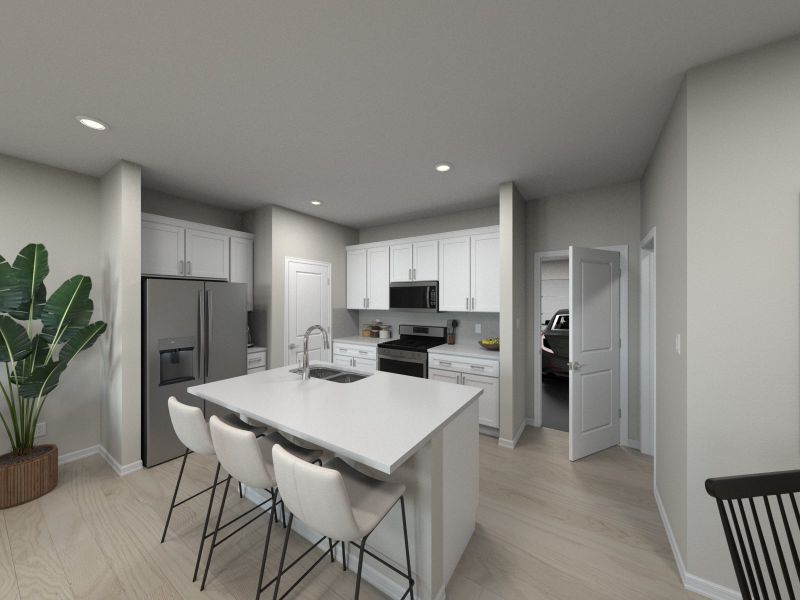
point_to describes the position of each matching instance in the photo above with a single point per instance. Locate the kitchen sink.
(329, 374)
(347, 377)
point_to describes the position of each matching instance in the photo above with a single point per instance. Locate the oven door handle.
(407, 360)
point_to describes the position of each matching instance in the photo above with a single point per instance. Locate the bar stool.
(249, 460)
(192, 430)
(341, 504)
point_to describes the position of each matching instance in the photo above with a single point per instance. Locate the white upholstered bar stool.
(192, 430)
(341, 504)
(249, 460)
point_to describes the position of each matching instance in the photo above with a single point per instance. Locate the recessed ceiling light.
(92, 123)
(443, 167)
(316, 202)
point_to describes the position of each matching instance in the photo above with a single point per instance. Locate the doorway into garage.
(551, 322)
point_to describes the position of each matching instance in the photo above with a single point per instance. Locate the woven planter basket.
(25, 478)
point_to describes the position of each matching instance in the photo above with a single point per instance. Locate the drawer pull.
(478, 367)
(446, 363)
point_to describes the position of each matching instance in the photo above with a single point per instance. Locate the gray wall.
(282, 233)
(467, 219)
(159, 203)
(664, 207)
(121, 250)
(61, 210)
(608, 216)
(742, 241)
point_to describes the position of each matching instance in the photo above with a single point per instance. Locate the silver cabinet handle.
(445, 363)
(188, 267)
(363, 352)
(477, 367)
(180, 267)
(352, 362)
(467, 302)
(409, 274)
(364, 302)
(473, 303)
(414, 274)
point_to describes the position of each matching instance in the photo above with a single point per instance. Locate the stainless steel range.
(408, 355)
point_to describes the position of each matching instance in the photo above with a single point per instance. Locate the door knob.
(292, 346)
(573, 366)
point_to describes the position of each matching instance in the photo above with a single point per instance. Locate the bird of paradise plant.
(39, 338)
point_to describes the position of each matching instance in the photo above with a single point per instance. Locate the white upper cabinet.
(485, 274)
(175, 248)
(418, 261)
(465, 263)
(241, 270)
(162, 249)
(368, 278)
(454, 274)
(378, 278)
(426, 261)
(401, 261)
(357, 279)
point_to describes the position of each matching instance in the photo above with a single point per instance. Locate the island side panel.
(459, 486)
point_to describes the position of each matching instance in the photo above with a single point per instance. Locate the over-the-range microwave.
(414, 295)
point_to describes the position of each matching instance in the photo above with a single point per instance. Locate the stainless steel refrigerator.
(194, 332)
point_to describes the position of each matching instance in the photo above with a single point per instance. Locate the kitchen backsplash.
(465, 332)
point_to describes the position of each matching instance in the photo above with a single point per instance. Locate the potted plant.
(39, 338)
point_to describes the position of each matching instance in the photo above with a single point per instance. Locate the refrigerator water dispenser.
(177, 360)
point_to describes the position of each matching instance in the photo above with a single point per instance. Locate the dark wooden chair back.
(761, 521)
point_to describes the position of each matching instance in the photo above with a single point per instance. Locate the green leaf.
(68, 310)
(81, 340)
(12, 291)
(42, 380)
(31, 268)
(23, 311)
(14, 341)
(37, 357)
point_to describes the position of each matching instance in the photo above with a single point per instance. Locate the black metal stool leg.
(345, 546)
(360, 564)
(283, 556)
(330, 546)
(266, 546)
(174, 495)
(241, 495)
(216, 530)
(408, 554)
(205, 525)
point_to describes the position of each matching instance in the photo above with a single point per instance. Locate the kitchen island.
(419, 432)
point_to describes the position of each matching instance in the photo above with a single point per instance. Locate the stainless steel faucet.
(325, 343)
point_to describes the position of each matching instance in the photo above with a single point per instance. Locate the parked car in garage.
(555, 344)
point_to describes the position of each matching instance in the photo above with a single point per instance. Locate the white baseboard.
(378, 579)
(506, 443)
(119, 469)
(709, 589)
(693, 583)
(531, 422)
(636, 445)
(78, 454)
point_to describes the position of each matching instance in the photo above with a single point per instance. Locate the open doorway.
(552, 323)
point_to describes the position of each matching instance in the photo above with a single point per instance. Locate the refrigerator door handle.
(209, 326)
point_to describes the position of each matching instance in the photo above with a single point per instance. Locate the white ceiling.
(353, 102)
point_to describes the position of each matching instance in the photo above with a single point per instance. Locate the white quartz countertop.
(379, 421)
(468, 350)
(364, 341)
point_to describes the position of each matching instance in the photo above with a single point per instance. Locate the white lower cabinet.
(355, 356)
(462, 371)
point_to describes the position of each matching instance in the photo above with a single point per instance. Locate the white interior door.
(308, 302)
(594, 348)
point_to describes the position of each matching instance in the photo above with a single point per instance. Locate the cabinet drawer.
(475, 366)
(355, 350)
(256, 360)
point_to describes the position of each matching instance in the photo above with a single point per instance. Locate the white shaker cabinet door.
(401, 262)
(485, 274)
(369, 365)
(489, 401)
(242, 265)
(343, 361)
(378, 278)
(357, 279)
(426, 261)
(162, 249)
(454, 274)
(207, 254)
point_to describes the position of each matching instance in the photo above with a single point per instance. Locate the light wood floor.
(547, 528)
